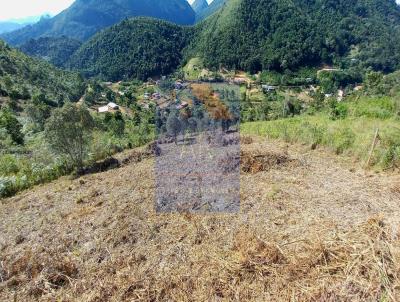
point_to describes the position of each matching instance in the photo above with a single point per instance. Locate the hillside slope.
(54, 50)
(199, 6)
(309, 230)
(9, 26)
(135, 48)
(86, 17)
(22, 76)
(255, 35)
(211, 9)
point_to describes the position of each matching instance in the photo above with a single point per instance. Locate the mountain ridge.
(199, 6)
(85, 18)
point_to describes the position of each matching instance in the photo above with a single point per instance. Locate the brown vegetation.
(313, 231)
(214, 106)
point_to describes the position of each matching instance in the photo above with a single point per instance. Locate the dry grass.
(246, 140)
(258, 161)
(313, 231)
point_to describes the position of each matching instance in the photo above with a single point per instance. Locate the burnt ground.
(311, 227)
(199, 174)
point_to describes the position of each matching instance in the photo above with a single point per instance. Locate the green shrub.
(342, 139)
(337, 111)
(8, 165)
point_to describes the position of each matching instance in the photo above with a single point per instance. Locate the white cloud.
(16, 9)
(209, 1)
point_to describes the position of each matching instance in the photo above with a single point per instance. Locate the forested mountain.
(253, 35)
(210, 9)
(256, 34)
(56, 50)
(86, 17)
(135, 48)
(14, 24)
(21, 77)
(199, 6)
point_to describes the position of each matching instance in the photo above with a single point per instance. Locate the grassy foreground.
(350, 131)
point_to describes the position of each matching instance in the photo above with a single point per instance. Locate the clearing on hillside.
(320, 229)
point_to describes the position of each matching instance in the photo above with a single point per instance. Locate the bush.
(8, 165)
(342, 140)
(68, 132)
(337, 111)
(9, 122)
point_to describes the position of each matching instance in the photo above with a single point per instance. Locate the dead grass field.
(316, 228)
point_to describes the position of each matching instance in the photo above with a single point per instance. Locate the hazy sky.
(15, 9)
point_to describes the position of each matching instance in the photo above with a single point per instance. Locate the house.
(108, 108)
(103, 109)
(146, 96)
(268, 88)
(239, 81)
(182, 105)
(178, 85)
(327, 69)
(156, 95)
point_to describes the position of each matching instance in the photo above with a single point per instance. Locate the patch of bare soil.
(318, 230)
(258, 161)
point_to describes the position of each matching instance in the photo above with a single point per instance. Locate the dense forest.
(22, 77)
(135, 48)
(54, 50)
(84, 18)
(278, 35)
(253, 36)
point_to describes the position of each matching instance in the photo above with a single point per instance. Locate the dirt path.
(98, 238)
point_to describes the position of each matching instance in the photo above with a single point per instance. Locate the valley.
(225, 150)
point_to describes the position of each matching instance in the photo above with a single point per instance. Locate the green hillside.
(135, 48)
(56, 50)
(84, 18)
(279, 35)
(253, 36)
(21, 77)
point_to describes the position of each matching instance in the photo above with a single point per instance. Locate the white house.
(268, 88)
(110, 107)
(113, 106)
(103, 109)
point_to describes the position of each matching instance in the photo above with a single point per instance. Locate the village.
(174, 92)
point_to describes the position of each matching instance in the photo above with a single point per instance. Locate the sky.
(16, 9)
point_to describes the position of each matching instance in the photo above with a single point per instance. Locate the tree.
(173, 125)
(68, 132)
(13, 127)
(115, 123)
(38, 113)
